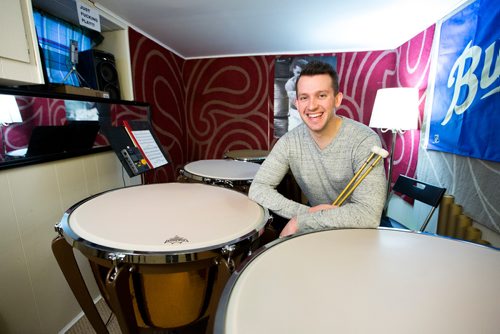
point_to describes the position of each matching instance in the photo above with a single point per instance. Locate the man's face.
(316, 101)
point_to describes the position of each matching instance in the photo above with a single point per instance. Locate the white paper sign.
(88, 16)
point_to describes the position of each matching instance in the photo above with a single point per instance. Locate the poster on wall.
(465, 117)
(286, 72)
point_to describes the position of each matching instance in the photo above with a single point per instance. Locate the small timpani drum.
(256, 156)
(364, 281)
(221, 172)
(162, 253)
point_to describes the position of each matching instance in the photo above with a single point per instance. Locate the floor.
(83, 326)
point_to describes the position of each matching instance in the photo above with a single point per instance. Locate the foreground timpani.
(160, 253)
(364, 281)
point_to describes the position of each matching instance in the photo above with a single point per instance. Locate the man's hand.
(290, 228)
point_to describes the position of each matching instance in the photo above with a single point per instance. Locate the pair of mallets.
(378, 153)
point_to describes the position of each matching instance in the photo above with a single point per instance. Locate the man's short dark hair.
(316, 67)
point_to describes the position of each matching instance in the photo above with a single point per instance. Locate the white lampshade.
(395, 109)
(9, 111)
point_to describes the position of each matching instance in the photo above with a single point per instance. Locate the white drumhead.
(145, 218)
(224, 169)
(366, 281)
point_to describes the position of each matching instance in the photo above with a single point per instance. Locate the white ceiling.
(220, 28)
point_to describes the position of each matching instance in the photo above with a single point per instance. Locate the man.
(323, 154)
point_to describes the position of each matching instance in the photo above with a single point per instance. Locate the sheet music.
(148, 145)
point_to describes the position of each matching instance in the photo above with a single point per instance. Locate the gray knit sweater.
(322, 175)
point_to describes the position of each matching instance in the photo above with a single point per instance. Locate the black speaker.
(98, 69)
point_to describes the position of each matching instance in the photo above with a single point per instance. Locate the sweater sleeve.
(269, 176)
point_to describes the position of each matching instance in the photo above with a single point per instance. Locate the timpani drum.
(174, 245)
(256, 156)
(364, 281)
(221, 172)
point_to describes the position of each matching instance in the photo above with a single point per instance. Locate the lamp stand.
(389, 172)
(391, 162)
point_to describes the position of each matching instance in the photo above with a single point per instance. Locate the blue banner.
(465, 117)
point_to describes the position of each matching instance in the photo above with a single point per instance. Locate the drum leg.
(223, 274)
(118, 287)
(63, 253)
(100, 273)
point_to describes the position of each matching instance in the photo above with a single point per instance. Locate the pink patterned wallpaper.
(157, 79)
(228, 105)
(203, 108)
(412, 70)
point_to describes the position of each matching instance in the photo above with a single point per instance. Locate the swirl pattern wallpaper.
(203, 108)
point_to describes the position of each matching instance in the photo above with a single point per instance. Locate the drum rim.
(222, 307)
(248, 159)
(144, 257)
(258, 158)
(229, 183)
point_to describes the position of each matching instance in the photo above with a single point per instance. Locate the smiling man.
(323, 154)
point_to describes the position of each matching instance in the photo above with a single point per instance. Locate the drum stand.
(65, 257)
(116, 288)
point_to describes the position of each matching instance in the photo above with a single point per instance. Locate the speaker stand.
(73, 57)
(78, 76)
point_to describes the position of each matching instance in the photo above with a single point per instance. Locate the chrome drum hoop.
(92, 249)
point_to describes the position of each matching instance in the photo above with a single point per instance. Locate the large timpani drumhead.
(162, 219)
(364, 281)
(257, 156)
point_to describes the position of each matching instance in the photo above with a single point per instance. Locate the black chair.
(418, 191)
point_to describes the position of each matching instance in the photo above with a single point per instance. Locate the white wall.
(34, 296)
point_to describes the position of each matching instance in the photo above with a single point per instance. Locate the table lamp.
(395, 110)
